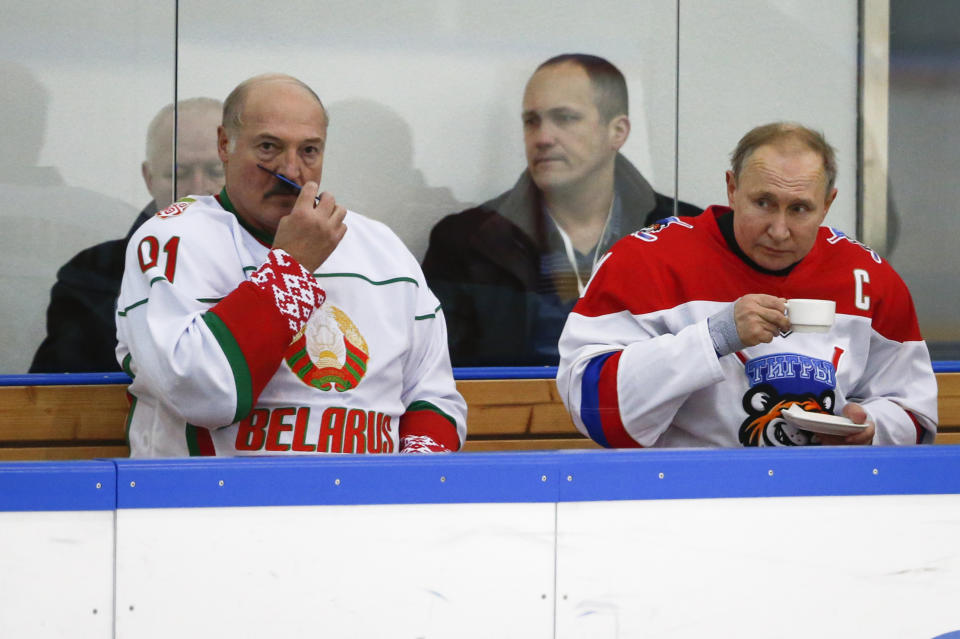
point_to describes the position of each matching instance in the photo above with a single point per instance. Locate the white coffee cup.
(811, 316)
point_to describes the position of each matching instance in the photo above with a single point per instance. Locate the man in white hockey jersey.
(681, 338)
(269, 320)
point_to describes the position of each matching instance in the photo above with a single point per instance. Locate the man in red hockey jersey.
(681, 338)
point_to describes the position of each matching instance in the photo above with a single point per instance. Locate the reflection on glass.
(743, 64)
(371, 170)
(44, 218)
(81, 318)
(509, 271)
(197, 166)
(924, 155)
(425, 104)
(80, 83)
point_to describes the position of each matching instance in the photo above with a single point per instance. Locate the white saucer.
(820, 422)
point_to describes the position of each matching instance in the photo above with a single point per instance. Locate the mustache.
(284, 185)
(282, 188)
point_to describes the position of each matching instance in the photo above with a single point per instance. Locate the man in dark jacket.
(509, 271)
(81, 322)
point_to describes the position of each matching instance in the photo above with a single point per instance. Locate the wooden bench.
(948, 406)
(84, 422)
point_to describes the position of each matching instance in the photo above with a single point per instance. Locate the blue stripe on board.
(947, 366)
(505, 372)
(478, 372)
(541, 477)
(86, 485)
(337, 479)
(795, 472)
(64, 379)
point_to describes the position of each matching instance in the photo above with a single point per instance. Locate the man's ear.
(830, 199)
(223, 141)
(619, 128)
(147, 176)
(731, 187)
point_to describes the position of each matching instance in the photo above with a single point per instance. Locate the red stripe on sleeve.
(261, 331)
(205, 443)
(609, 405)
(916, 424)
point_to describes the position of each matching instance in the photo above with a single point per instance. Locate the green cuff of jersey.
(242, 379)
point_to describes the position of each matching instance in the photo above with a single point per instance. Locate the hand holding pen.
(312, 230)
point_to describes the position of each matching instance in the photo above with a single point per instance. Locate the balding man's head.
(785, 133)
(198, 169)
(609, 85)
(233, 105)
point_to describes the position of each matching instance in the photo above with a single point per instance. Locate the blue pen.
(284, 178)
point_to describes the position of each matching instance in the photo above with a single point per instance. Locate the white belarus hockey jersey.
(638, 367)
(221, 366)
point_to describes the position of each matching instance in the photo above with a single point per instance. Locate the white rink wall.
(796, 543)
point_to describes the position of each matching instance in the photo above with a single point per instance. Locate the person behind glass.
(681, 339)
(81, 322)
(267, 319)
(508, 271)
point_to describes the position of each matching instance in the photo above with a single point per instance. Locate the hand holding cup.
(759, 318)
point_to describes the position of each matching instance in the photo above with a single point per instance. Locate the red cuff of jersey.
(916, 424)
(609, 405)
(429, 423)
(421, 444)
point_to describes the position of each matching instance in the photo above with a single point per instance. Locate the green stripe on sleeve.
(126, 430)
(202, 300)
(124, 312)
(422, 405)
(428, 315)
(125, 365)
(193, 446)
(242, 379)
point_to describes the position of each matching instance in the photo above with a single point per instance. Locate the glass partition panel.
(748, 62)
(425, 100)
(81, 82)
(923, 224)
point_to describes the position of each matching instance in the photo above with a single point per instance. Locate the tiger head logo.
(765, 426)
(777, 382)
